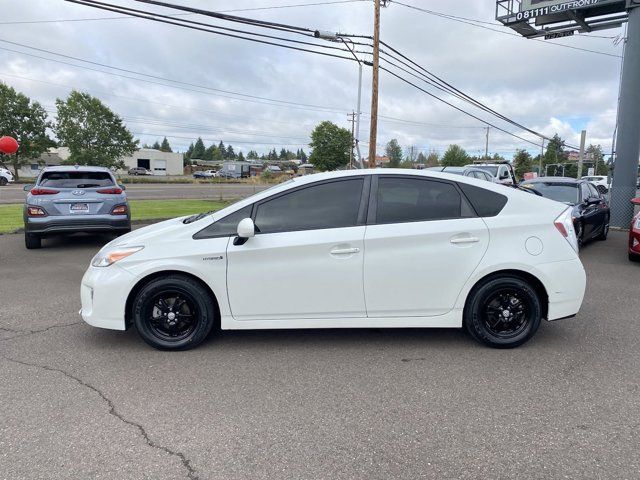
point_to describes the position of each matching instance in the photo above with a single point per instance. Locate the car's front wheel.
(3, 181)
(503, 312)
(173, 313)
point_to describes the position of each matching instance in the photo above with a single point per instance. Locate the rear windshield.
(75, 179)
(560, 192)
(492, 170)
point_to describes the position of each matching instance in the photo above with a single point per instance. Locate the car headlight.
(111, 255)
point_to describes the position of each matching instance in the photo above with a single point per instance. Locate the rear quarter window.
(485, 202)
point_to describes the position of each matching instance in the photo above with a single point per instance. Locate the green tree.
(156, 145)
(393, 151)
(331, 146)
(455, 156)
(93, 133)
(555, 153)
(199, 150)
(223, 150)
(165, 147)
(522, 163)
(595, 155)
(26, 121)
(433, 159)
(252, 155)
(230, 153)
(302, 156)
(187, 155)
(240, 157)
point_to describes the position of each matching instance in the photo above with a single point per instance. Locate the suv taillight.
(36, 212)
(43, 191)
(110, 191)
(119, 210)
(564, 225)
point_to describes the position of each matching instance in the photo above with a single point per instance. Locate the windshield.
(75, 179)
(492, 170)
(560, 192)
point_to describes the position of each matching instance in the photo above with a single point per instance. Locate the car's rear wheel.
(503, 312)
(32, 241)
(634, 257)
(605, 230)
(173, 313)
(3, 181)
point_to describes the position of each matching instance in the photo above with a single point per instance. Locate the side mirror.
(27, 187)
(246, 230)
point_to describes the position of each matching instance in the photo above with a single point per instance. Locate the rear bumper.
(634, 242)
(70, 224)
(565, 283)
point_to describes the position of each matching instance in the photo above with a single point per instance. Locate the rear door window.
(485, 202)
(403, 200)
(74, 179)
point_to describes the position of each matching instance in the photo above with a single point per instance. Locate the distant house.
(306, 169)
(160, 163)
(381, 161)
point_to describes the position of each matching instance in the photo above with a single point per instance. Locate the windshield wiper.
(197, 216)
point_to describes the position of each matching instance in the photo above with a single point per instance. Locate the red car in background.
(634, 235)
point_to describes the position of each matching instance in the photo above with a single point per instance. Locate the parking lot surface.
(157, 191)
(79, 402)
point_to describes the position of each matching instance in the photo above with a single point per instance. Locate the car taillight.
(110, 191)
(564, 225)
(43, 191)
(119, 210)
(36, 212)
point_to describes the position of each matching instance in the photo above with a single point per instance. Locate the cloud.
(550, 88)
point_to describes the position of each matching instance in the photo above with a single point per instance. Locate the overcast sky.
(540, 84)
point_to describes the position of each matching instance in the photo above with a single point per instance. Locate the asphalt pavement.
(160, 191)
(80, 402)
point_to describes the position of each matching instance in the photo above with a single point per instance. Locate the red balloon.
(8, 145)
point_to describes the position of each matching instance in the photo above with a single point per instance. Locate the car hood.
(141, 236)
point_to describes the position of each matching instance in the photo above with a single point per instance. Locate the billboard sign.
(535, 8)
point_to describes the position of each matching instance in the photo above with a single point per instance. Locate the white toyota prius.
(356, 249)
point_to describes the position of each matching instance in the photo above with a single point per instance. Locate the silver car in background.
(74, 199)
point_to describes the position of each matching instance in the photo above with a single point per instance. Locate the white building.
(160, 163)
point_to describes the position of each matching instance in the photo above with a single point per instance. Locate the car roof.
(75, 168)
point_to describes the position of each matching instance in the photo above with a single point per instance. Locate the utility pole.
(353, 127)
(486, 148)
(541, 158)
(627, 145)
(373, 131)
(583, 139)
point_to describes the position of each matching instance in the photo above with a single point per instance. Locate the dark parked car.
(139, 171)
(74, 199)
(590, 209)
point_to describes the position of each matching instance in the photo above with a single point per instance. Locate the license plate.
(79, 208)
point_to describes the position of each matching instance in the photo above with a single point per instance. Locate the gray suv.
(74, 199)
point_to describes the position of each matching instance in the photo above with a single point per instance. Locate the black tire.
(485, 314)
(154, 320)
(32, 241)
(124, 231)
(3, 181)
(633, 257)
(605, 231)
(580, 236)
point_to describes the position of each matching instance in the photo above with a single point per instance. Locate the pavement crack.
(26, 333)
(186, 463)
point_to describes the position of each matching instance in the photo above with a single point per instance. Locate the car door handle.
(345, 251)
(458, 241)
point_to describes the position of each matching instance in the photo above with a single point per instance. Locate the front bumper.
(103, 293)
(77, 223)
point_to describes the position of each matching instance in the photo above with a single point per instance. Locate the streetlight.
(336, 37)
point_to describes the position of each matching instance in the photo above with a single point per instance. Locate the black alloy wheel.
(503, 312)
(174, 312)
(605, 230)
(3, 181)
(580, 235)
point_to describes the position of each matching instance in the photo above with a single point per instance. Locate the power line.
(211, 28)
(479, 24)
(274, 7)
(455, 107)
(244, 97)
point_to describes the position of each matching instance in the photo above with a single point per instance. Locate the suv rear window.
(76, 179)
(485, 202)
